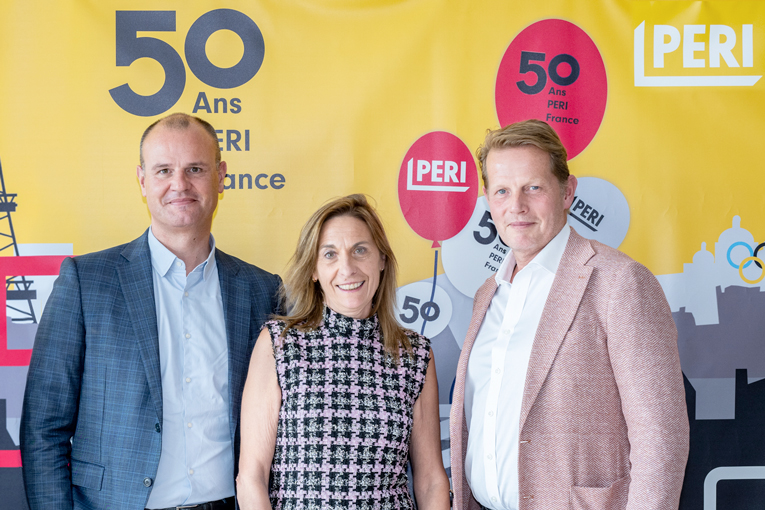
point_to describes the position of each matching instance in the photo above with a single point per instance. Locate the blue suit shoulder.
(261, 282)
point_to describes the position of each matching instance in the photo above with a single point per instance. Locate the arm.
(431, 486)
(51, 398)
(261, 401)
(642, 344)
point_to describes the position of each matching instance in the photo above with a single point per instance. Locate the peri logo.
(439, 174)
(703, 47)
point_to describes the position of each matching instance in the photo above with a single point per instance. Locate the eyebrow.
(335, 247)
(200, 164)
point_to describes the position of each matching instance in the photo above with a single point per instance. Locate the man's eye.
(534, 188)
(163, 171)
(501, 191)
(195, 170)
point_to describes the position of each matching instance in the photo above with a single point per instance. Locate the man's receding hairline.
(181, 122)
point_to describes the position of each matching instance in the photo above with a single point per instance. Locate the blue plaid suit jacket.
(92, 415)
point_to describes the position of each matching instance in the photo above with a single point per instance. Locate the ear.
(222, 167)
(569, 191)
(139, 172)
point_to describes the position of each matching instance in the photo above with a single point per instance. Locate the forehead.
(191, 142)
(344, 228)
(518, 162)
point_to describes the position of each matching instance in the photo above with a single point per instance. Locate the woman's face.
(348, 266)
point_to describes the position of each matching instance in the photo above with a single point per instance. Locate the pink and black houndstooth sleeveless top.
(346, 416)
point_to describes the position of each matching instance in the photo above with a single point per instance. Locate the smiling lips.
(351, 286)
(521, 224)
(181, 201)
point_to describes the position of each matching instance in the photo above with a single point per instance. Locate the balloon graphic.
(437, 186)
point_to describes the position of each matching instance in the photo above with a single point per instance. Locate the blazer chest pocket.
(86, 474)
(601, 498)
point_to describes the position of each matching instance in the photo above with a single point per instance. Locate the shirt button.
(188, 335)
(186, 294)
(147, 482)
(178, 263)
(493, 499)
(157, 427)
(490, 456)
(191, 471)
(188, 424)
(491, 413)
(497, 371)
(188, 379)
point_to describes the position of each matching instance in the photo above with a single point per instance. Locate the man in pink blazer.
(569, 393)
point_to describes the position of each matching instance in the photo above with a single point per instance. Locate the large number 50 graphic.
(130, 48)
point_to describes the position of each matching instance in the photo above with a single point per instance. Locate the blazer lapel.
(457, 424)
(137, 284)
(482, 300)
(236, 313)
(558, 314)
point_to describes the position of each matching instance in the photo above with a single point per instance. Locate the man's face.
(527, 203)
(180, 179)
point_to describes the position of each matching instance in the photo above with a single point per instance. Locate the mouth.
(350, 286)
(521, 224)
(179, 202)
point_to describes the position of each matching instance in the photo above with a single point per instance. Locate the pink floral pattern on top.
(346, 416)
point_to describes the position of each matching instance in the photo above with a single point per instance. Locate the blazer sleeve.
(642, 345)
(49, 413)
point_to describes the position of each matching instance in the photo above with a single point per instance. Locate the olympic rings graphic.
(752, 253)
(748, 261)
(742, 266)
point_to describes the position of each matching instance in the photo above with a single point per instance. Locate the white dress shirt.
(196, 464)
(496, 374)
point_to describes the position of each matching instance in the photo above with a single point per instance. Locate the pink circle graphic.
(553, 71)
(437, 186)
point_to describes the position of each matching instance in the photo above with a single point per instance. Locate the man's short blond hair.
(533, 132)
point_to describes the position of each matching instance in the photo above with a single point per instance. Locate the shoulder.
(607, 259)
(281, 340)
(601, 257)
(105, 261)
(420, 345)
(619, 274)
(249, 272)
(275, 327)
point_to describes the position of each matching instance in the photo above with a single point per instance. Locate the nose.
(517, 203)
(180, 180)
(347, 265)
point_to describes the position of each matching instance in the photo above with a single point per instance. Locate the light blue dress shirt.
(196, 464)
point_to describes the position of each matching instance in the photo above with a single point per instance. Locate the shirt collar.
(549, 258)
(163, 259)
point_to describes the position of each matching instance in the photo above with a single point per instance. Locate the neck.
(192, 247)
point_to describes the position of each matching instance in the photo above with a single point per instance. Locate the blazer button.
(147, 481)
(157, 427)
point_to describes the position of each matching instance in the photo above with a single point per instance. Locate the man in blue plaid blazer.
(140, 358)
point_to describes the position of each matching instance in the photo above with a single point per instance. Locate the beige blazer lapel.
(457, 424)
(481, 303)
(557, 316)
